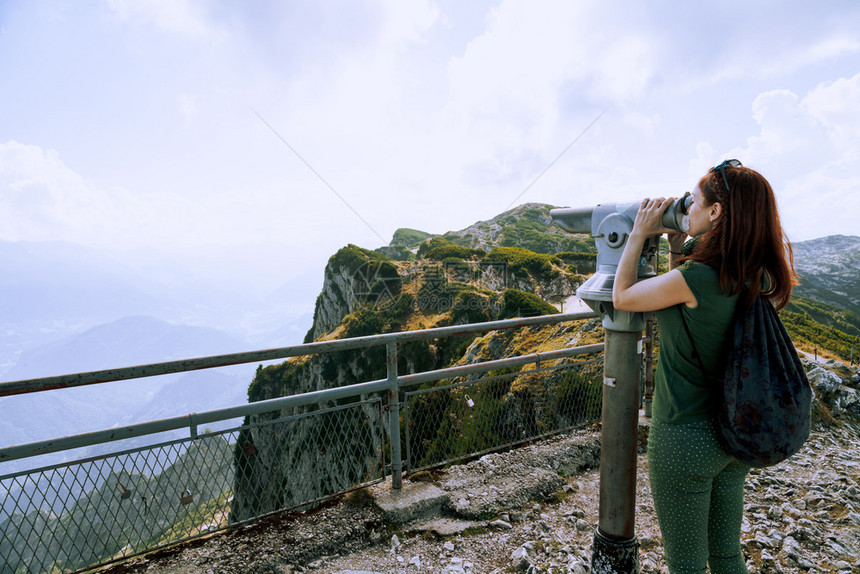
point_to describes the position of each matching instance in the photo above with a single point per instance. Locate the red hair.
(746, 243)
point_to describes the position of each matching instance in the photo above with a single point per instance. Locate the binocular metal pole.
(616, 549)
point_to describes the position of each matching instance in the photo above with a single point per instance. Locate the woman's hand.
(630, 294)
(649, 218)
(676, 241)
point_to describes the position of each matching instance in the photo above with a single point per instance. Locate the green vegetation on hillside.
(842, 319)
(580, 262)
(432, 244)
(529, 231)
(522, 304)
(522, 262)
(448, 251)
(396, 252)
(114, 512)
(528, 227)
(473, 306)
(409, 237)
(507, 406)
(352, 257)
(813, 324)
(376, 320)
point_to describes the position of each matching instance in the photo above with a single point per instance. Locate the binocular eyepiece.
(581, 219)
(677, 215)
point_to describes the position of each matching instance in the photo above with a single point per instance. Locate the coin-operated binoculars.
(611, 224)
(615, 547)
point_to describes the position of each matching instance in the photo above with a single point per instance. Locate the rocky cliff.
(365, 292)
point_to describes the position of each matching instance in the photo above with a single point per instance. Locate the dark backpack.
(765, 408)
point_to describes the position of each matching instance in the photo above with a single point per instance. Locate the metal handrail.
(193, 420)
(255, 446)
(199, 363)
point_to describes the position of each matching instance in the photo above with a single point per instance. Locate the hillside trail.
(821, 359)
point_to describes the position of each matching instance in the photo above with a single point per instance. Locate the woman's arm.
(657, 292)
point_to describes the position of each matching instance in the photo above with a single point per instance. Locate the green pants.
(698, 493)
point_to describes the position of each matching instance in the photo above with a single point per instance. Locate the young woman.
(740, 251)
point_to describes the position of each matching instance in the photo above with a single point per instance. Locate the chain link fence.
(75, 515)
(289, 452)
(465, 417)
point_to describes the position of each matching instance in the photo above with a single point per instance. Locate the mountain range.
(66, 308)
(829, 270)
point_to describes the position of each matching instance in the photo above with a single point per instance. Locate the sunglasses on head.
(722, 167)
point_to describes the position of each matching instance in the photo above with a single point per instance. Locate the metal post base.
(614, 556)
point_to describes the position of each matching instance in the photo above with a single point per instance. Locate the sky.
(266, 135)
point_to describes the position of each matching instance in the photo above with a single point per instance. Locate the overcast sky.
(289, 129)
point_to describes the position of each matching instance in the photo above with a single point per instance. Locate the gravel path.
(801, 516)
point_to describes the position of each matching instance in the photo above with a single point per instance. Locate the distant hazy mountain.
(51, 290)
(126, 342)
(56, 280)
(830, 270)
(122, 343)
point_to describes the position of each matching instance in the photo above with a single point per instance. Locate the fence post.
(648, 388)
(394, 415)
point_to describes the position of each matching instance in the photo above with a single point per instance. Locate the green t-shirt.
(680, 393)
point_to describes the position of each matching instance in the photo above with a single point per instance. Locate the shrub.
(376, 320)
(522, 262)
(396, 252)
(578, 396)
(409, 237)
(472, 307)
(431, 244)
(584, 263)
(521, 304)
(453, 251)
(352, 257)
(803, 329)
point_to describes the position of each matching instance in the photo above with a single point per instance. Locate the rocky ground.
(534, 509)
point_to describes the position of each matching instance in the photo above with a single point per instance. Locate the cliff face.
(303, 457)
(348, 279)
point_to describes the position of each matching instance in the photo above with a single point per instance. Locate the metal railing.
(289, 453)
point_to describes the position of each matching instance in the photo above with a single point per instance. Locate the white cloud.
(187, 109)
(45, 200)
(183, 17)
(42, 199)
(625, 68)
(828, 48)
(803, 55)
(785, 126)
(407, 21)
(836, 106)
(530, 82)
(809, 149)
(418, 115)
(818, 129)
